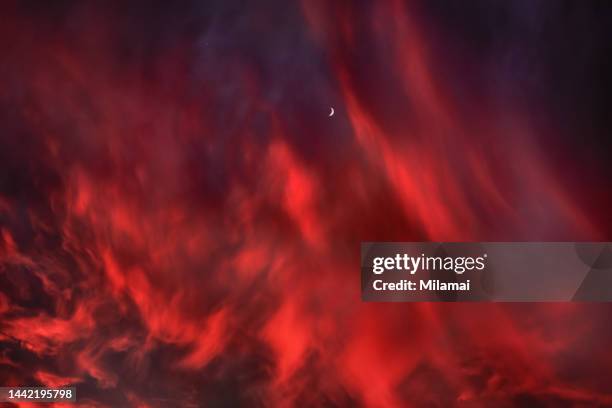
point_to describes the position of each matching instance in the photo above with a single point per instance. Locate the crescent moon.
(331, 112)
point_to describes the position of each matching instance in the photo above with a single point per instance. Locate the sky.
(180, 219)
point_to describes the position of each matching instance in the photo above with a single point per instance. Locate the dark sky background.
(180, 219)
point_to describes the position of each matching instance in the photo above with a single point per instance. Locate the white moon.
(331, 112)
